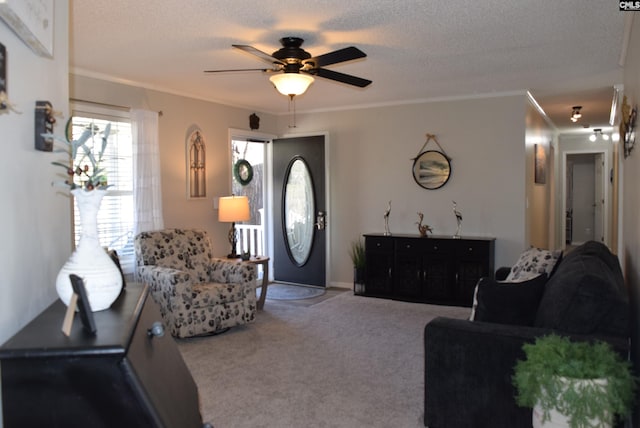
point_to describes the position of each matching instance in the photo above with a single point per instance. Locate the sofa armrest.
(468, 370)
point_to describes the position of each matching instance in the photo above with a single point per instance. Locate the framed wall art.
(32, 21)
(196, 164)
(540, 173)
(431, 168)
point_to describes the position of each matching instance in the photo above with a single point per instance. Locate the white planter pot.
(560, 420)
(90, 261)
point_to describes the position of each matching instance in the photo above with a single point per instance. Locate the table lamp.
(233, 209)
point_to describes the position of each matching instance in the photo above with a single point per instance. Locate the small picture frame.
(86, 315)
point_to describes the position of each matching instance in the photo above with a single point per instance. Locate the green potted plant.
(357, 254)
(575, 384)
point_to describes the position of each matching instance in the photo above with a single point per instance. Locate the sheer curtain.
(147, 194)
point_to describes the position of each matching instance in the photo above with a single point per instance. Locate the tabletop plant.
(85, 169)
(357, 255)
(566, 376)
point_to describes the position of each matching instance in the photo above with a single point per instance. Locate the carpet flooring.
(346, 361)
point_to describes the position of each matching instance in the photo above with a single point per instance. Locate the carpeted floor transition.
(345, 361)
(277, 291)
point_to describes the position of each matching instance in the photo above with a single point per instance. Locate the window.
(116, 214)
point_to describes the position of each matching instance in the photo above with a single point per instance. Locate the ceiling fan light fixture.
(291, 84)
(575, 113)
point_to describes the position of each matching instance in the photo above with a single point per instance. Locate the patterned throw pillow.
(532, 263)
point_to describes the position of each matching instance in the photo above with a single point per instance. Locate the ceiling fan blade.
(340, 77)
(234, 70)
(257, 52)
(341, 55)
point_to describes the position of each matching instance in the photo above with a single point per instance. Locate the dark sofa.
(469, 364)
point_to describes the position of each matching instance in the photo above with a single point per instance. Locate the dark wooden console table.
(437, 269)
(127, 375)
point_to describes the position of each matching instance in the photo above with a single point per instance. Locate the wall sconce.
(575, 113)
(598, 132)
(232, 209)
(44, 121)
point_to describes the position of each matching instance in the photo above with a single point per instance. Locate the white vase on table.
(90, 261)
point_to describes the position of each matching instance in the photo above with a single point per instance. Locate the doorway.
(585, 198)
(250, 176)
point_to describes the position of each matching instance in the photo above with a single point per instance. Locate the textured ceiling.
(564, 52)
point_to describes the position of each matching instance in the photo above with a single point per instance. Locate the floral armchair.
(197, 293)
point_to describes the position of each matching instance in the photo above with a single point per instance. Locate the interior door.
(598, 215)
(300, 215)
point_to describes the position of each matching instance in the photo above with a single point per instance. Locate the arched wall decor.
(196, 164)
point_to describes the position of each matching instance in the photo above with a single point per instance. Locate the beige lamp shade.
(291, 83)
(233, 208)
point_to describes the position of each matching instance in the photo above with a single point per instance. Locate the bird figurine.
(423, 228)
(386, 220)
(458, 215)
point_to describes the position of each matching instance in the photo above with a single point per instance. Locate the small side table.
(264, 261)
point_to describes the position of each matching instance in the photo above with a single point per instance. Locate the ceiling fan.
(298, 66)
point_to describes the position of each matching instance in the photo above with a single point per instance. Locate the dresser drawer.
(378, 244)
(473, 249)
(423, 245)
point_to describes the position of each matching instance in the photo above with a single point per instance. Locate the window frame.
(112, 114)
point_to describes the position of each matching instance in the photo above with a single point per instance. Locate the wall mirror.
(431, 169)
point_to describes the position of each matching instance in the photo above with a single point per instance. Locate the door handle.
(321, 220)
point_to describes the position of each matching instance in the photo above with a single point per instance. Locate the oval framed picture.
(431, 169)
(243, 172)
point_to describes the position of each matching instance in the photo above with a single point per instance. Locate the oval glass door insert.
(298, 211)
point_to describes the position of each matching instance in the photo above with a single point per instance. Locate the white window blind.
(116, 214)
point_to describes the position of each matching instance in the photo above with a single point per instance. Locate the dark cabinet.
(379, 264)
(439, 270)
(123, 376)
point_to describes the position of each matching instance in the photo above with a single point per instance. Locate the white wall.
(371, 160)
(371, 152)
(179, 114)
(538, 198)
(36, 239)
(630, 238)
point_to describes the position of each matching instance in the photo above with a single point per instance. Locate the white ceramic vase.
(560, 420)
(90, 261)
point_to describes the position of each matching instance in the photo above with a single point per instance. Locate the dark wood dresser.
(124, 376)
(437, 269)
